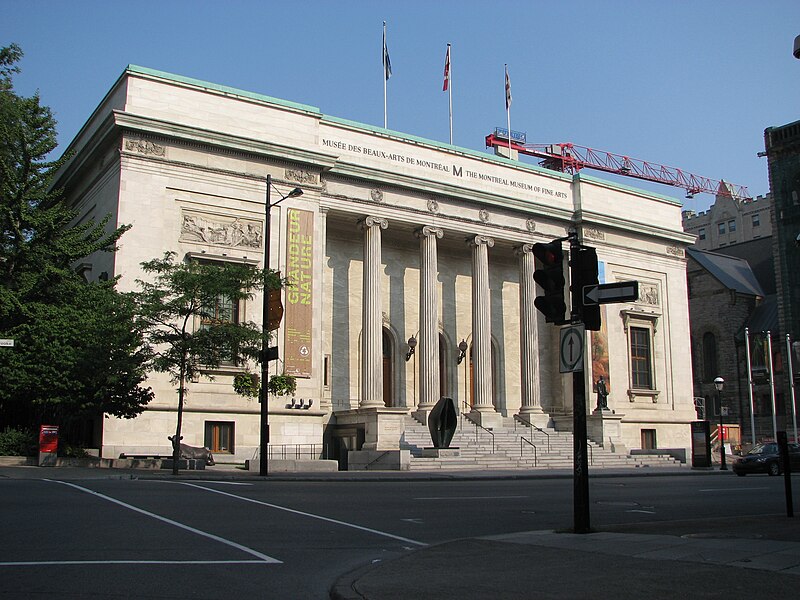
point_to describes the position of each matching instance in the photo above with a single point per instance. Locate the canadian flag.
(446, 70)
(508, 90)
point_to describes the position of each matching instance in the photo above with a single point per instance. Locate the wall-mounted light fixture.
(412, 345)
(462, 351)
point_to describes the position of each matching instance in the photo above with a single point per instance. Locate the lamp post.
(718, 383)
(263, 396)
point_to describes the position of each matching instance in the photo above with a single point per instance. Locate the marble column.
(482, 407)
(371, 321)
(428, 347)
(531, 409)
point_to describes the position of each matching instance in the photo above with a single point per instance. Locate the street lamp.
(412, 345)
(263, 396)
(462, 351)
(718, 383)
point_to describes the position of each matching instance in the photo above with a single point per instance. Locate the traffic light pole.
(580, 459)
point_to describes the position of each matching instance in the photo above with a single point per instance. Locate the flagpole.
(791, 382)
(750, 385)
(385, 79)
(772, 387)
(450, 89)
(508, 110)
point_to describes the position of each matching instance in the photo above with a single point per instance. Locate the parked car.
(764, 458)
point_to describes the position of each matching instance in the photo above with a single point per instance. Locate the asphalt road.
(108, 538)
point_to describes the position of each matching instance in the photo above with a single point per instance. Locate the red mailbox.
(48, 445)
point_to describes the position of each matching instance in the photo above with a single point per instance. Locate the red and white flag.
(446, 70)
(508, 90)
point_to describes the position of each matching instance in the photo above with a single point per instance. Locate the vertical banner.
(299, 294)
(600, 353)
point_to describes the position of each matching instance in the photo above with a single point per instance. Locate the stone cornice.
(588, 219)
(132, 122)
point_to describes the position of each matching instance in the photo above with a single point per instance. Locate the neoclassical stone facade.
(409, 248)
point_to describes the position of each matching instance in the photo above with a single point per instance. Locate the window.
(224, 310)
(709, 357)
(721, 228)
(701, 234)
(219, 436)
(731, 226)
(756, 220)
(641, 358)
(326, 372)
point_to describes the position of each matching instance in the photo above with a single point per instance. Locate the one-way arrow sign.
(608, 293)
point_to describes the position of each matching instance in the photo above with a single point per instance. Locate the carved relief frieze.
(483, 215)
(648, 294)
(530, 225)
(376, 195)
(145, 147)
(221, 231)
(300, 176)
(433, 206)
(675, 251)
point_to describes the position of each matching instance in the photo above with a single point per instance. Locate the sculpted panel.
(221, 231)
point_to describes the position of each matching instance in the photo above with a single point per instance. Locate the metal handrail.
(531, 425)
(530, 443)
(283, 451)
(380, 456)
(471, 420)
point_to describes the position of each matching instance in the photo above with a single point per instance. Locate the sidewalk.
(619, 566)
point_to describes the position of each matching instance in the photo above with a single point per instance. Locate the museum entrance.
(388, 400)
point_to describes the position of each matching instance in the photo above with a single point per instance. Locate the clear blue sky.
(690, 84)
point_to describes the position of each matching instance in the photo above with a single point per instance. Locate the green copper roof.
(222, 88)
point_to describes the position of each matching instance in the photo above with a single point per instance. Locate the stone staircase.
(512, 447)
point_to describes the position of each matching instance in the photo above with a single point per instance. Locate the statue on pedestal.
(602, 394)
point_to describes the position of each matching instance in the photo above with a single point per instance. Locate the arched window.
(709, 357)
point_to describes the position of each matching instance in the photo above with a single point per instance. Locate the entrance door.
(648, 439)
(444, 373)
(387, 370)
(472, 378)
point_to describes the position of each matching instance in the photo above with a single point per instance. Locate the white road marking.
(259, 555)
(38, 563)
(222, 482)
(733, 489)
(647, 512)
(469, 497)
(304, 514)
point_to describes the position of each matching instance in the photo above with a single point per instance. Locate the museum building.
(412, 269)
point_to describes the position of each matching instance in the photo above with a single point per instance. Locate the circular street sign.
(571, 349)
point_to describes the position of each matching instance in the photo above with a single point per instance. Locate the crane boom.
(568, 157)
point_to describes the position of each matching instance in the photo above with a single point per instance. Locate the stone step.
(501, 450)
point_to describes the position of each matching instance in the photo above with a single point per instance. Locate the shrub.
(14, 442)
(71, 451)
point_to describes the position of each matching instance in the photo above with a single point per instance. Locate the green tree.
(191, 309)
(78, 349)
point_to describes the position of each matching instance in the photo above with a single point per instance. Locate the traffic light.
(583, 272)
(550, 278)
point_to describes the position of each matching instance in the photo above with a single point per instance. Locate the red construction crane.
(572, 158)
